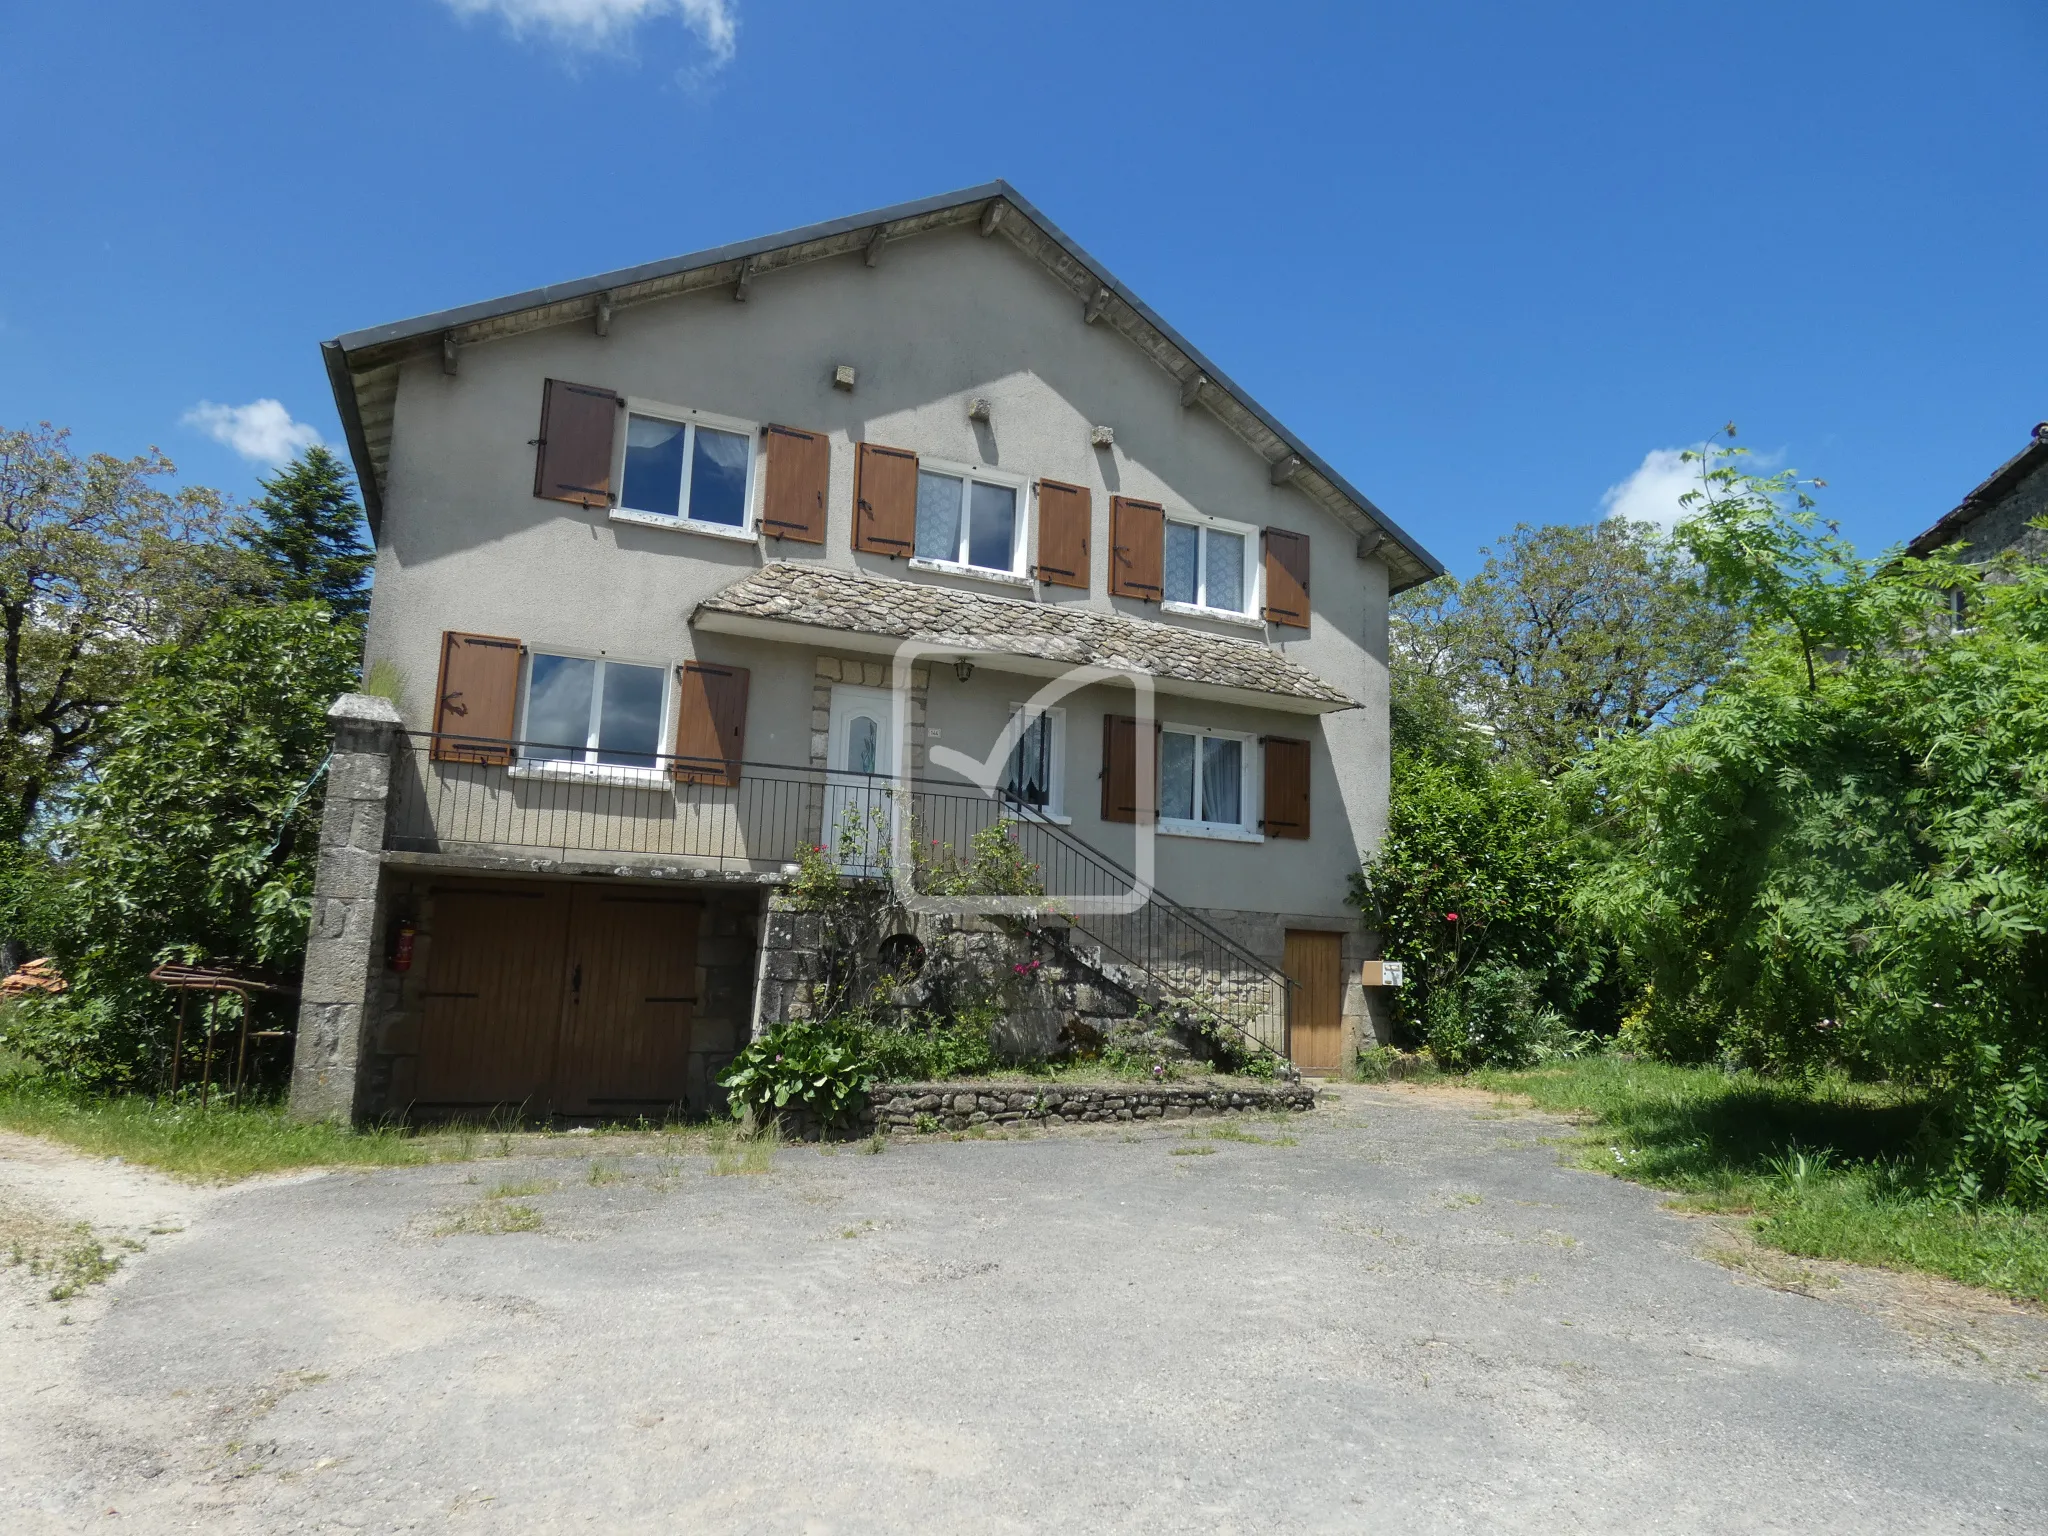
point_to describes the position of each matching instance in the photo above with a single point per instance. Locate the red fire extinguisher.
(400, 958)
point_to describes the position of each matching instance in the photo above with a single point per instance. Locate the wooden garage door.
(493, 1004)
(1315, 961)
(557, 999)
(632, 982)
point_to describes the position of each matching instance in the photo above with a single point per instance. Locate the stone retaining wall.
(895, 1108)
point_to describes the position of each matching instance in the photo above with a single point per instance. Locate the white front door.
(860, 753)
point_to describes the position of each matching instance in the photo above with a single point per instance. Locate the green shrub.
(1375, 1064)
(1476, 872)
(820, 1067)
(196, 837)
(995, 865)
(924, 1047)
(1492, 1017)
(1840, 860)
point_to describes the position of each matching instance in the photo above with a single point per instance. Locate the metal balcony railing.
(1136, 935)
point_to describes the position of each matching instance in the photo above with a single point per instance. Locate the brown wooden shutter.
(799, 466)
(1137, 537)
(1064, 512)
(885, 500)
(476, 699)
(1286, 578)
(1126, 796)
(711, 723)
(578, 423)
(1286, 775)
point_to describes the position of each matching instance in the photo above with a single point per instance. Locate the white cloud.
(1650, 495)
(262, 430)
(601, 24)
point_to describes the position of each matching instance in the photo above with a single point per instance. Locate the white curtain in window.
(1226, 571)
(938, 517)
(1222, 776)
(1181, 558)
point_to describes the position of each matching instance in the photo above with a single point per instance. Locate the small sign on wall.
(1380, 973)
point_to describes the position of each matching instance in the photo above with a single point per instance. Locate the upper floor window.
(582, 709)
(968, 519)
(1208, 566)
(690, 470)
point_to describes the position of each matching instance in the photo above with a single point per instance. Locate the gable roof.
(1951, 524)
(362, 366)
(790, 596)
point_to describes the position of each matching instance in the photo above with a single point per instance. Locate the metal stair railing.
(525, 795)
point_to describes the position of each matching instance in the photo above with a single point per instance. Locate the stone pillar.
(341, 942)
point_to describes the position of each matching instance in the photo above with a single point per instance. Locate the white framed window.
(1206, 786)
(683, 468)
(1211, 566)
(1035, 777)
(970, 519)
(593, 716)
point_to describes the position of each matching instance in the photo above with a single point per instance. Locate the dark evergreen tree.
(308, 532)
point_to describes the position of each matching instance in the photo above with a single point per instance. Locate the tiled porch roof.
(1053, 635)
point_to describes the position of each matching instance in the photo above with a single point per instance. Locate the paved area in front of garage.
(1398, 1312)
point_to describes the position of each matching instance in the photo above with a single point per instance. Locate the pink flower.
(1450, 917)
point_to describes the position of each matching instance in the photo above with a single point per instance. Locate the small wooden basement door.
(561, 999)
(1315, 1033)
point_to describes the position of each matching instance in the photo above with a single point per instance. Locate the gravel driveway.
(1400, 1312)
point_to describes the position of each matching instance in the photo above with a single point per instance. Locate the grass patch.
(1193, 1152)
(491, 1218)
(1826, 1170)
(1228, 1132)
(221, 1142)
(514, 1189)
(733, 1153)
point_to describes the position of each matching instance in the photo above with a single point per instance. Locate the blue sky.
(1487, 258)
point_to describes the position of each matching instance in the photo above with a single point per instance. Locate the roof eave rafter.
(996, 209)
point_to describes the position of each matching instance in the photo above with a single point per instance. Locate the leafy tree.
(196, 838)
(307, 531)
(1569, 634)
(1471, 889)
(1842, 856)
(96, 565)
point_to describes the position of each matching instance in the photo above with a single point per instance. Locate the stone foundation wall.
(1051, 998)
(903, 1109)
(894, 1108)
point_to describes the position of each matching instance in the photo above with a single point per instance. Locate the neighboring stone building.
(817, 519)
(1994, 517)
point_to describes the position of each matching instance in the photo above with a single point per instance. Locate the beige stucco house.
(679, 566)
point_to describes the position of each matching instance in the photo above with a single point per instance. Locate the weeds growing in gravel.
(1229, 1132)
(491, 1218)
(734, 1152)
